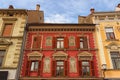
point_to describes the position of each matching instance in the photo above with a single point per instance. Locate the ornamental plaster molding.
(113, 46)
(60, 55)
(5, 42)
(35, 56)
(85, 56)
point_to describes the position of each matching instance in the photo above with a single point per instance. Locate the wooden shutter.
(28, 66)
(77, 42)
(38, 42)
(39, 69)
(92, 73)
(80, 68)
(54, 42)
(65, 68)
(85, 43)
(34, 45)
(54, 68)
(66, 42)
(7, 30)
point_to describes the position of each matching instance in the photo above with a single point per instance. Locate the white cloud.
(63, 11)
(57, 18)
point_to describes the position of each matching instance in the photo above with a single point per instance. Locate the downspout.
(21, 51)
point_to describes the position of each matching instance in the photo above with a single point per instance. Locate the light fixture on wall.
(104, 67)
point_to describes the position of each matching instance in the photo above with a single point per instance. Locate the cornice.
(60, 27)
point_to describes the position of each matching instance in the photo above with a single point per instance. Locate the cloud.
(57, 18)
(63, 10)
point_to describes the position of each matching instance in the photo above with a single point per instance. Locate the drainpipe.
(21, 52)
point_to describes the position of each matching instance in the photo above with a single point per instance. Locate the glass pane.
(113, 62)
(2, 52)
(36, 65)
(81, 44)
(118, 63)
(32, 66)
(62, 44)
(81, 39)
(115, 54)
(109, 29)
(85, 63)
(58, 44)
(60, 63)
(60, 39)
(1, 59)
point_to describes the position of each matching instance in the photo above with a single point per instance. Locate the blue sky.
(63, 11)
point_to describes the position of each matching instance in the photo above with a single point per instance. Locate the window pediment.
(60, 55)
(5, 42)
(35, 56)
(85, 56)
(113, 46)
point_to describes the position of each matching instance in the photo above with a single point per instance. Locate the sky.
(62, 11)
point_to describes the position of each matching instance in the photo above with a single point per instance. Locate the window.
(34, 66)
(36, 42)
(85, 68)
(7, 30)
(110, 33)
(83, 42)
(115, 56)
(60, 42)
(60, 68)
(2, 52)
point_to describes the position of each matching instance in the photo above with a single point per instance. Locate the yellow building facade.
(108, 40)
(12, 23)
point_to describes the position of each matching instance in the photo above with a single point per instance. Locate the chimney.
(92, 10)
(11, 7)
(118, 5)
(38, 7)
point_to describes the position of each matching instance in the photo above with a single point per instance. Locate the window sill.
(87, 49)
(112, 40)
(112, 70)
(60, 49)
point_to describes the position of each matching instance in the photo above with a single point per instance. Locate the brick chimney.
(118, 7)
(38, 7)
(92, 10)
(11, 7)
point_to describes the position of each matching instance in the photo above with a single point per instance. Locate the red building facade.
(60, 51)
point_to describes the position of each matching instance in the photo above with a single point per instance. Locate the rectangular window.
(60, 68)
(34, 66)
(85, 68)
(7, 30)
(2, 52)
(110, 33)
(36, 42)
(115, 56)
(83, 42)
(60, 42)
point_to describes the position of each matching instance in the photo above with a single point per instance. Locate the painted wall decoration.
(46, 65)
(73, 65)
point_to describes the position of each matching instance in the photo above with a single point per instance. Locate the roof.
(58, 24)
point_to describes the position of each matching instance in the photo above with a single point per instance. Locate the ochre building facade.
(12, 23)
